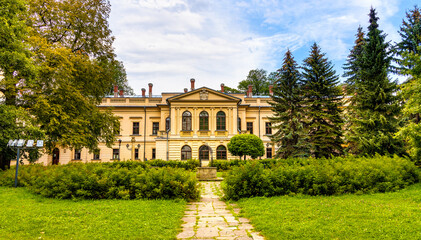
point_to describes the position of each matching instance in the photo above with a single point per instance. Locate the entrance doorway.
(56, 156)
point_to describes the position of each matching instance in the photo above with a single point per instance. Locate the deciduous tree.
(246, 145)
(258, 79)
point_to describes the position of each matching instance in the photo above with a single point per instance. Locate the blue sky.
(167, 42)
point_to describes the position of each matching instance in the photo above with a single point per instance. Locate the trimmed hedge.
(187, 165)
(320, 176)
(122, 180)
(224, 165)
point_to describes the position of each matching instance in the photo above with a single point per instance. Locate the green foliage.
(187, 165)
(320, 177)
(374, 106)
(323, 101)
(288, 112)
(258, 79)
(411, 92)
(246, 145)
(393, 215)
(106, 181)
(13, 129)
(15, 56)
(223, 165)
(24, 215)
(352, 66)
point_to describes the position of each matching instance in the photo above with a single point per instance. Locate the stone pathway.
(210, 218)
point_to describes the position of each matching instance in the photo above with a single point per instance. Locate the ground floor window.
(136, 153)
(96, 155)
(185, 152)
(153, 153)
(221, 152)
(116, 154)
(268, 152)
(204, 153)
(77, 154)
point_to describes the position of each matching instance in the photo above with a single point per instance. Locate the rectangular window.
(155, 128)
(136, 153)
(77, 154)
(268, 126)
(153, 153)
(96, 155)
(116, 154)
(250, 127)
(135, 128)
(268, 152)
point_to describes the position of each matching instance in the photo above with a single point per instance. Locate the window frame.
(188, 152)
(268, 127)
(135, 130)
(155, 128)
(221, 121)
(269, 150)
(116, 152)
(204, 121)
(186, 121)
(77, 154)
(221, 154)
(250, 127)
(96, 155)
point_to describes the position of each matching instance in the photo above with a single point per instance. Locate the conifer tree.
(410, 33)
(287, 107)
(322, 102)
(375, 107)
(352, 66)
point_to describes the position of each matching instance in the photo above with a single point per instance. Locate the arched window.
(204, 153)
(221, 152)
(185, 152)
(220, 121)
(186, 121)
(204, 121)
(167, 123)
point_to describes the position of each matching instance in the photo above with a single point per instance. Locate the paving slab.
(210, 218)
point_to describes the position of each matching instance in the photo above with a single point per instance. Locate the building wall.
(146, 110)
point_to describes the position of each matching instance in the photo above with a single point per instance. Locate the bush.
(187, 165)
(122, 180)
(224, 165)
(319, 176)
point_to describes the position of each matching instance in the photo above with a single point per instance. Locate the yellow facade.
(143, 126)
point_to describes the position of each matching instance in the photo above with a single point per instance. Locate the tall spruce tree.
(323, 105)
(288, 112)
(352, 66)
(410, 33)
(375, 107)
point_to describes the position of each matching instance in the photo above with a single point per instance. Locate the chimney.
(271, 90)
(192, 83)
(222, 87)
(121, 93)
(143, 92)
(115, 91)
(150, 89)
(186, 90)
(250, 91)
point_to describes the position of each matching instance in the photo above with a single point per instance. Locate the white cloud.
(167, 42)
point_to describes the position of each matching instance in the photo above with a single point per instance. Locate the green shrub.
(319, 176)
(122, 180)
(187, 165)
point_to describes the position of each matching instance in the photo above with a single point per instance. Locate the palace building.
(194, 124)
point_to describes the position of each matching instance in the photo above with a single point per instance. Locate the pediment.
(203, 94)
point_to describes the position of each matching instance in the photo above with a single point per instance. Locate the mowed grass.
(27, 216)
(378, 216)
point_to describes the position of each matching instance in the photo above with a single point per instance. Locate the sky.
(168, 42)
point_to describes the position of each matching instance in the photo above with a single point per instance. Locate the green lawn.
(378, 216)
(27, 216)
